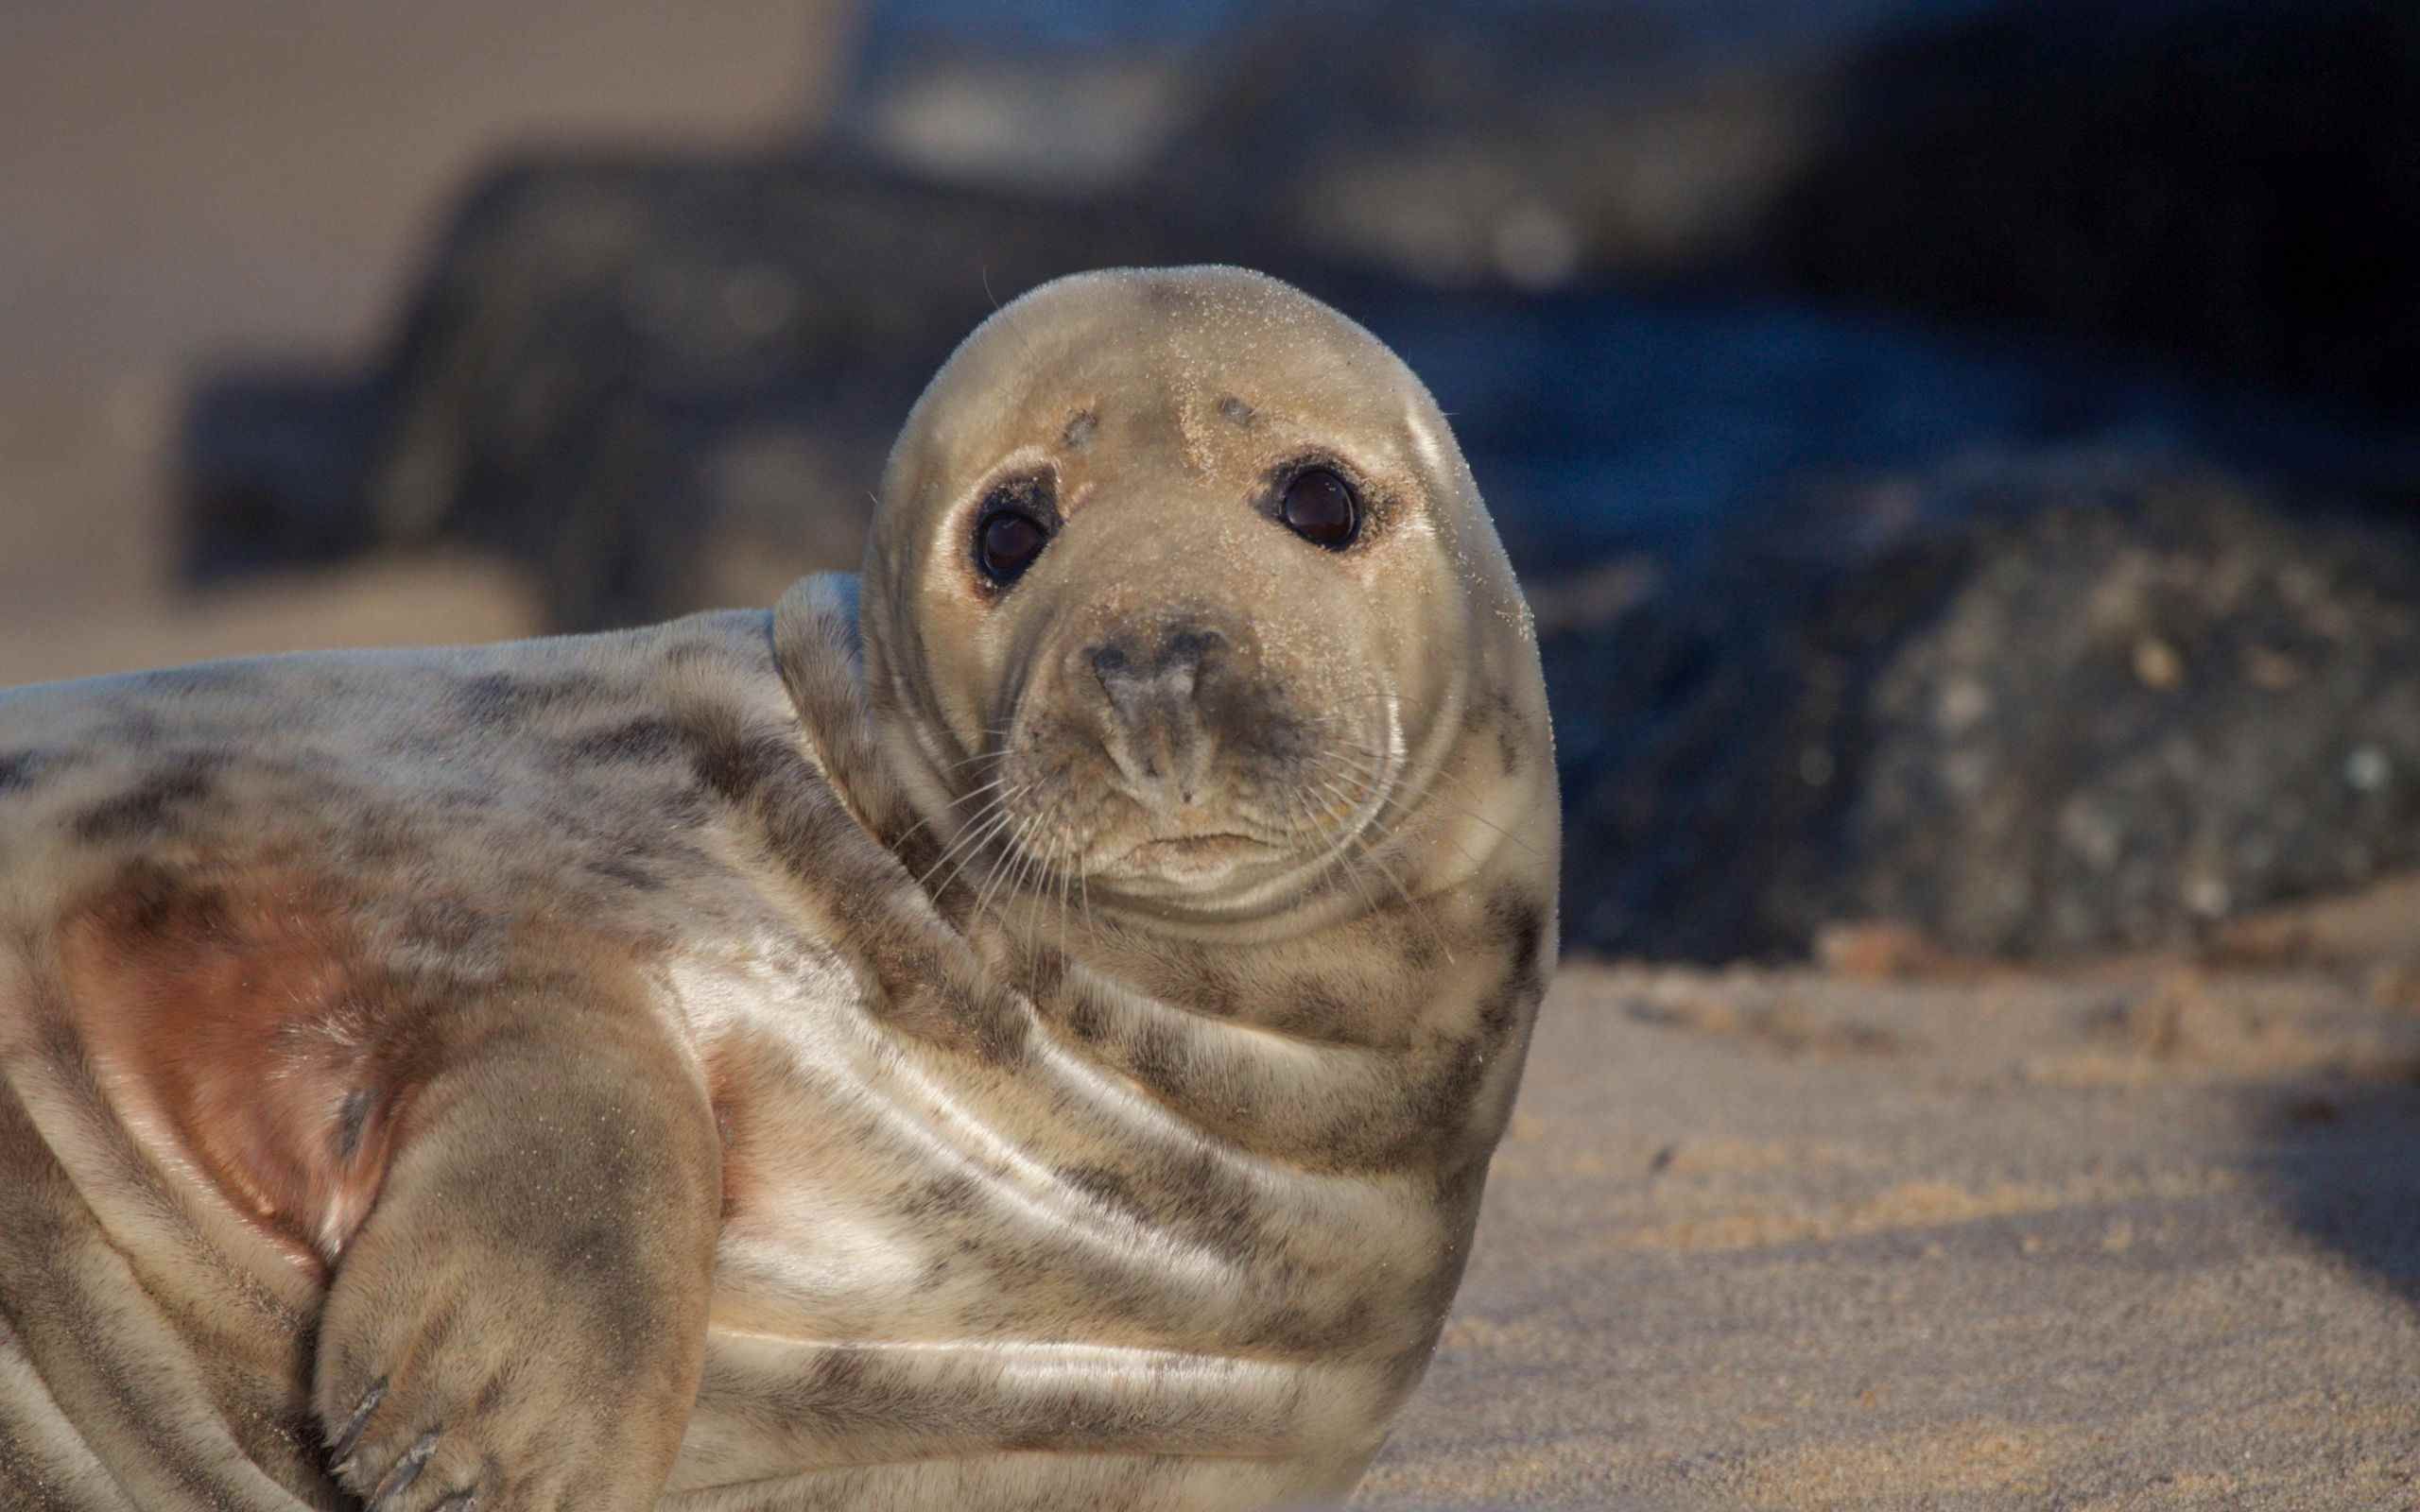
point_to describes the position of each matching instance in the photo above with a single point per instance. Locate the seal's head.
(1180, 592)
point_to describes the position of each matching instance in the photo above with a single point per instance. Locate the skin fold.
(967, 1036)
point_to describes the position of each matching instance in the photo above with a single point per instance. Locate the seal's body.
(1033, 1038)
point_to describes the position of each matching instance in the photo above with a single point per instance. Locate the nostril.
(1110, 663)
(1192, 645)
(1165, 671)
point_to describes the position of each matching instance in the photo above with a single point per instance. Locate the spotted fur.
(572, 1073)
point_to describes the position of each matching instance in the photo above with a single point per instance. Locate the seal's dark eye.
(1319, 508)
(1005, 542)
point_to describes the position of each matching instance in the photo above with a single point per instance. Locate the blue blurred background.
(1962, 452)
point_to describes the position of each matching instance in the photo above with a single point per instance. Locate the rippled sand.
(1938, 1234)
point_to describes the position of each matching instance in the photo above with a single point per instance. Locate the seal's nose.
(1156, 736)
(1136, 684)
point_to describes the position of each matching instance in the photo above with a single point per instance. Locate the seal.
(1026, 1026)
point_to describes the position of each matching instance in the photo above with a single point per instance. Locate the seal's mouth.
(1192, 855)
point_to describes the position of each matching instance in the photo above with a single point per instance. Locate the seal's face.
(1156, 606)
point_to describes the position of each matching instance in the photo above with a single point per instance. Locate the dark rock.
(2235, 184)
(272, 462)
(1813, 654)
(1058, 98)
(666, 383)
(2061, 706)
(1507, 142)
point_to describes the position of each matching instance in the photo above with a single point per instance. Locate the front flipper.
(519, 1325)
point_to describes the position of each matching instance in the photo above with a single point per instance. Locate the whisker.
(1453, 782)
(1413, 910)
(1044, 862)
(1342, 864)
(980, 836)
(1417, 914)
(1010, 858)
(969, 834)
(987, 754)
(929, 819)
(993, 860)
(1066, 885)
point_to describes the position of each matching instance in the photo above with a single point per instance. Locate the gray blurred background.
(182, 184)
(1962, 452)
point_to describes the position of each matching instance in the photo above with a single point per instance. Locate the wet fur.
(564, 1070)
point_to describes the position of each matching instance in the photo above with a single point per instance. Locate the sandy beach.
(2139, 1235)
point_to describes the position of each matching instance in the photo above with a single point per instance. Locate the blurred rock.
(272, 460)
(1505, 143)
(2073, 704)
(2235, 184)
(665, 384)
(1520, 143)
(1064, 98)
(1831, 634)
